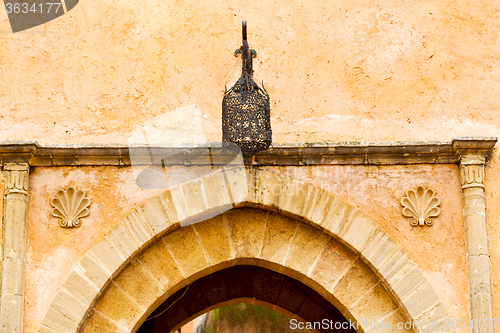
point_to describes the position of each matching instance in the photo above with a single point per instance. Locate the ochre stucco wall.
(492, 180)
(341, 71)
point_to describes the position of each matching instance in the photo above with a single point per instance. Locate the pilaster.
(476, 242)
(16, 178)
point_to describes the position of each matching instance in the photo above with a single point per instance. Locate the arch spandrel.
(241, 187)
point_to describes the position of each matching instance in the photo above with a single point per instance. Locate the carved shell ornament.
(420, 205)
(70, 205)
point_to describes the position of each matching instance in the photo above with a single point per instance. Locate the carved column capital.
(472, 171)
(16, 178)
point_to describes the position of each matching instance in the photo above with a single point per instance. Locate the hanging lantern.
(246, 111)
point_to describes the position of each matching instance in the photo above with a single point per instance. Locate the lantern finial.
(246, 111)
(246, 53)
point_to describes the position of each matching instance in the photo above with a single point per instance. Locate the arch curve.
(94, 275)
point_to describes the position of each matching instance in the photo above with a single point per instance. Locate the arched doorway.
(244, 236)
(287, 227)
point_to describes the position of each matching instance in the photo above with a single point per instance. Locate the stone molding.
(280, 154)
(16, 179)
(166, 213)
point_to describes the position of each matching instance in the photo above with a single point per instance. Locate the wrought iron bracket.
(247, 54)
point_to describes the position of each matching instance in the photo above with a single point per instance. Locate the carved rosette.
(421, 205)
(472, 175)
(70, 205)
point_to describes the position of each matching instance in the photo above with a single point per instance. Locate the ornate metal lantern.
(246, 111)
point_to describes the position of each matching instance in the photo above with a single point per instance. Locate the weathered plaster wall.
(341, 71)
(492, 181)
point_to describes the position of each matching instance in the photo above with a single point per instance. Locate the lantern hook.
(246, 53)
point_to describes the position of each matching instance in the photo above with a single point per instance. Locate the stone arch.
(164, 215)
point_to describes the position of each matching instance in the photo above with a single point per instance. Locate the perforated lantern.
(246, 111)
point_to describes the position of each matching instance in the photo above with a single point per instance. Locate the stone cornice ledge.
(354, 153)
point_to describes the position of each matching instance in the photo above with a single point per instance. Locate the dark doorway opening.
(244, 281)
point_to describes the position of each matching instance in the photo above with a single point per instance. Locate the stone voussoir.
(407, 281)
(120, 307)
(379, 247)
(136, 281)
(318, 210)
(337, 217)
(156, 214)
(294, 196)
(139, 225)
(239, 184)
(97, 322)
(216, 190)
(374, 305)
(81, 288)
(307, 247)
(271, 188)
(69, 305)
(187, 251)
(93, 270)
(396, 262)
(107, 254)
(167, 202)
(254, 185)
(45, 329)
(421, 300)
(278, 238)
(160, 264)
(247, 236)
(314, 195)
(188, 199)
(59, 322)
(123, 240)
(437, 314)
(357, 230)
(215, 241)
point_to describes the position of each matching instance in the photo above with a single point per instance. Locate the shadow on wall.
(25, 15)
